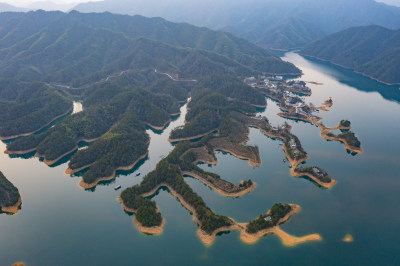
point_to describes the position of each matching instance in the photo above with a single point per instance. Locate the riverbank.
(51, 162)
(37, 130)
(294, 165)
(208, 239)
(348, 68)
(325, 134)
(159, 128)
(12, 209)
(219, 190)
(85, 185)
(193, 137)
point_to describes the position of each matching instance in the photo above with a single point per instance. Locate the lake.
(62, 224)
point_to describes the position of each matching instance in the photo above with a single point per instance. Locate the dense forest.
(9, 195)
(284, 24)
(371, 50)
(265, 221)
(26, 108)
(61, 48)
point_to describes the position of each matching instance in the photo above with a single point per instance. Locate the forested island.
(133, 80)
(10, 199)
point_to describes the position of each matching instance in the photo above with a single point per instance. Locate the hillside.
(9, 8)
(61, 47)
(373, 51)
(284, 24)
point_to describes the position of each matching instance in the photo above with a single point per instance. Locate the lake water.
(62, 224)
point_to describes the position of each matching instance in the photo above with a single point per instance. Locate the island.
(347, 137)
(10, 199)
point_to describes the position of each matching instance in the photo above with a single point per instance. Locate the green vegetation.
(317, 172)
(377, 55)
(121, 146)
(73, 47)
(207, 112)
(33, 106)
(265, 221)
(168, 173)
(345, 123)
(350, 138)
(9, 194)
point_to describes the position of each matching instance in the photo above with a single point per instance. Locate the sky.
(22, 3)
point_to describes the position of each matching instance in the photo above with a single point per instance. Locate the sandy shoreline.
(154, 230)
(220, 191)
(348, 238)
(324, 133)
(37, 130)
(159, 128)
(19, 152)
(193, 137)
(12, 209)
(50, 163)
(294, 173)
(111, 177)
(250, 160)
(208, 239)
(70, 171)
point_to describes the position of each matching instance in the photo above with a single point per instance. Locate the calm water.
(62, 224)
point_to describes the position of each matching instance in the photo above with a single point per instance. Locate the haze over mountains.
(282, 24)
(59, 47)
(371, 50)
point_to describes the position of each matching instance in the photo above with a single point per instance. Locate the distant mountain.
(283, 24)
(50, 6)
(372, 50)
(59, 47)
(9, 8)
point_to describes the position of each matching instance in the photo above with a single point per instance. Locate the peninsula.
(10, 199)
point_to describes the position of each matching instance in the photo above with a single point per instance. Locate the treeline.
(208, 110)
(350, 138)
(168, 172)
(265, 221)
(9, 194)
(121, 146)
(97, 119)
(35, 106)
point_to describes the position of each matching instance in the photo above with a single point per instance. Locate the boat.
(284, 160)
(117, 187)
(138, 174)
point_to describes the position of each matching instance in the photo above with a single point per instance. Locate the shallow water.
(62, 224)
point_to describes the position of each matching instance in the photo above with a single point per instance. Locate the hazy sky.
(27, 2)
(22, 3)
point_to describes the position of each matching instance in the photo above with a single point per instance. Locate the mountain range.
(284, 24)
(371, 50)
(59, 47)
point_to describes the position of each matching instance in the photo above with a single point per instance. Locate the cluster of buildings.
(293, 145)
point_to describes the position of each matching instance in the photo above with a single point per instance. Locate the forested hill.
(59, 47)
(373, 51)
(282, 24)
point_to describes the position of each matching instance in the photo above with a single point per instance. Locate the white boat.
(117, 187)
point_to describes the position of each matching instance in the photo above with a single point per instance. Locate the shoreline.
(19, 152)
(193, 137)
(37, 130)
(324, 133)
(12, 209)
(159, 128)
(208, 239)
(50, 163)
(85, 185)
(348, 68)
(294, 173)
(154, 230)
(219, 190)
(250, 160)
